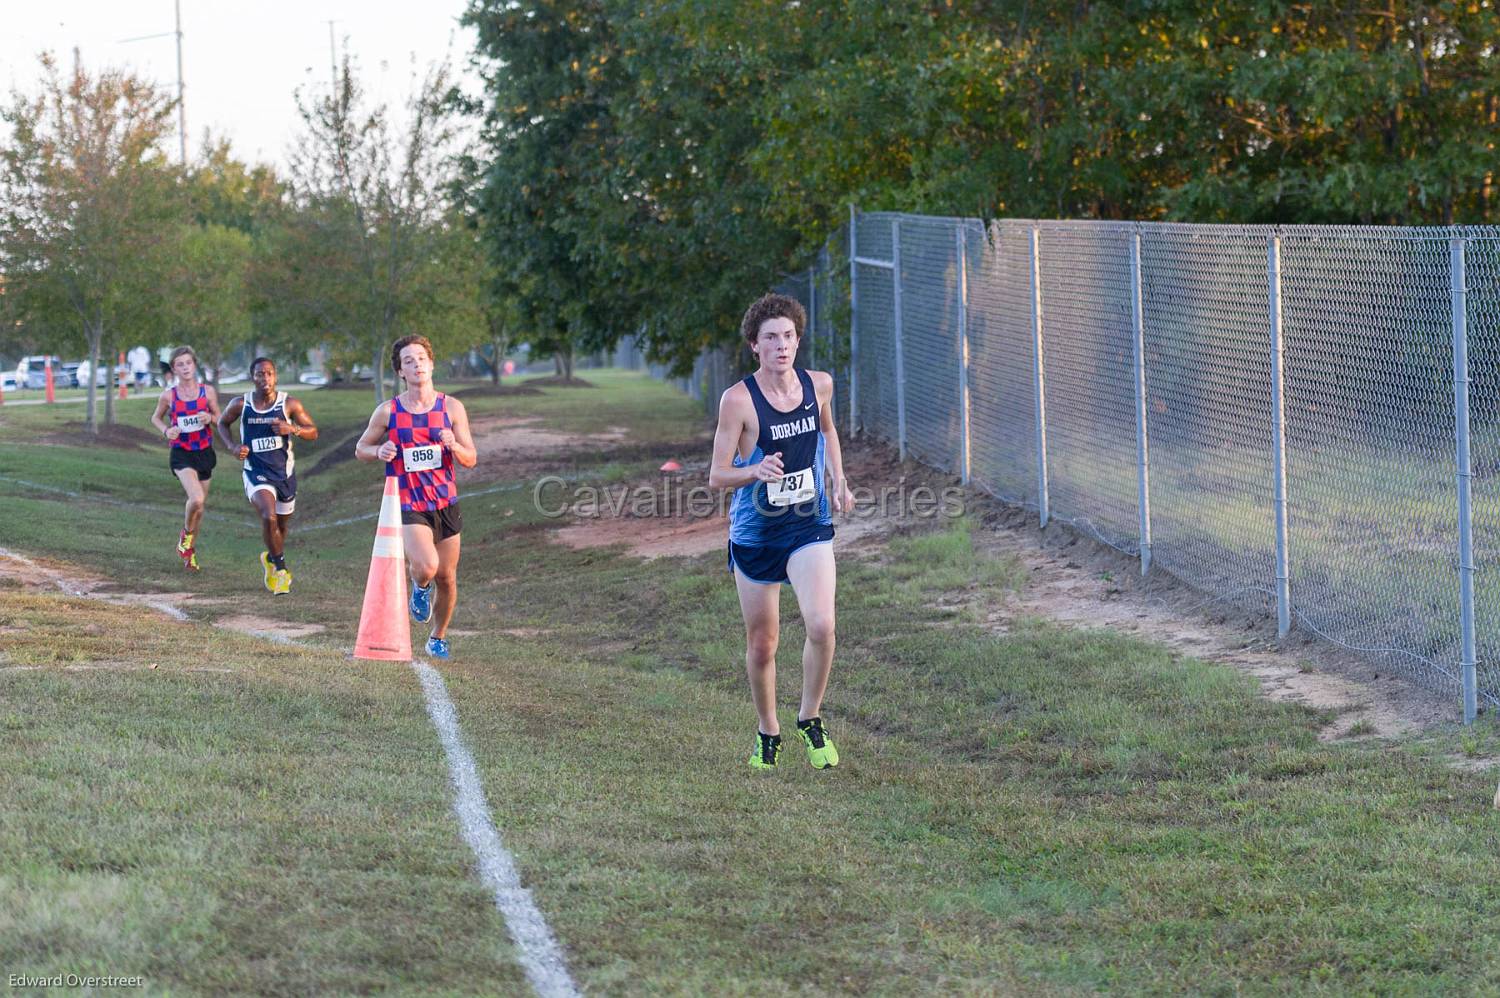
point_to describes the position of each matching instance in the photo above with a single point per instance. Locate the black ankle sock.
(815, 719)
(279, 560)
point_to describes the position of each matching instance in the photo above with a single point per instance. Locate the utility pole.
(181, 102)
(333, 59)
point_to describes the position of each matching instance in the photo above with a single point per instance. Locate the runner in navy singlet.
(420, 435)
(269, 423)
(185, 414)
(777, 447)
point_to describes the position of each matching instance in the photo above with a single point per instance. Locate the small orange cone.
(384, 632)
(671, 466)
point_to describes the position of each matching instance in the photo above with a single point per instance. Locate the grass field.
(1043, 811)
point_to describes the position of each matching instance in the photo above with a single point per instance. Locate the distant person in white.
(140, 367)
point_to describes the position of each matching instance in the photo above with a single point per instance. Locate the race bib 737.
(795, 487)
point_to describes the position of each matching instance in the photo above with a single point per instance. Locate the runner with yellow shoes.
(269, 420)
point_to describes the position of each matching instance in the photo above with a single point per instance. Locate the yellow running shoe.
(265, 562)
(820, 750)
(187, 552)
(767, 751)
(283, 582)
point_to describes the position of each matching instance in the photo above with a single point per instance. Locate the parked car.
(8, 381)
(313, 378)
(32, 372)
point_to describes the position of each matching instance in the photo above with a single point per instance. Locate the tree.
(210, 299)
(86, 197)
(358, 257)
(548, 182)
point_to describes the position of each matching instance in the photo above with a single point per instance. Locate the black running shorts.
(445, 523)
(201, 461)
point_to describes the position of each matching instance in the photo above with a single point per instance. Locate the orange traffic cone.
(384, 632)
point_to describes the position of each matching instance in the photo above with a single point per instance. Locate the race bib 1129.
(262, 444)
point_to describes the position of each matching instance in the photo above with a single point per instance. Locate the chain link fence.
(1302, 420)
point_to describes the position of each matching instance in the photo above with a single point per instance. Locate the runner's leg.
(814, 579)
(447, 584)
(421, 553)
(264, 501)
(760, 605)
(197, 494)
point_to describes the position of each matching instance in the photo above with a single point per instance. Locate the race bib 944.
(192, 423)
(795, 487)
(422, 457)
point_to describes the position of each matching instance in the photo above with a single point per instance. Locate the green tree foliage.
(209, 293)
(672, 160)
(87, 199)
(365, 251)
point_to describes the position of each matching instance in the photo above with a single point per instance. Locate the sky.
(241, 63)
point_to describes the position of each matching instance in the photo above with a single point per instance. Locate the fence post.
(1037, 370)
(1458, 280)
(853, 320)
(812, 317)
(900, 357)
(1278, 430)
(963, 351)
(1142, 442)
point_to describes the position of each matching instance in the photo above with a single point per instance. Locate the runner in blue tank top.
(777, 447)
(269, 422)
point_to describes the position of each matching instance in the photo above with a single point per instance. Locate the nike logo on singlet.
(780, 431)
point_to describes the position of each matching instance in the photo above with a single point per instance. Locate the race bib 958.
(422, 457)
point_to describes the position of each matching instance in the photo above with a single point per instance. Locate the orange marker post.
(47, 367)
(384, 631)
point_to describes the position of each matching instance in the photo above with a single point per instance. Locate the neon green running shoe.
(265, 562)
(820, 750)
(767, 751)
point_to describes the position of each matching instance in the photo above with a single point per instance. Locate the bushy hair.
(405, 342)
(179, 352)
(772, 306)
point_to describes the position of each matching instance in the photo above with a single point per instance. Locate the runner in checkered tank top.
(420, 435)
(186, 414)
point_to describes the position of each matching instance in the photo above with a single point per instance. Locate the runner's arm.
(226, 420)
(298, 423)
(461, 444)
(159, 417)
(211, 399)
(375, 443)
(833, 452)
(722, 474)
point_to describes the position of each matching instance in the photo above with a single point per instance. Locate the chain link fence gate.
(1300, 420)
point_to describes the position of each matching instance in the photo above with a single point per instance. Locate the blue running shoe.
(437, 647)
(421, 603)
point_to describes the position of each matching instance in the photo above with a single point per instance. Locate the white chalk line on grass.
(540, 955)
